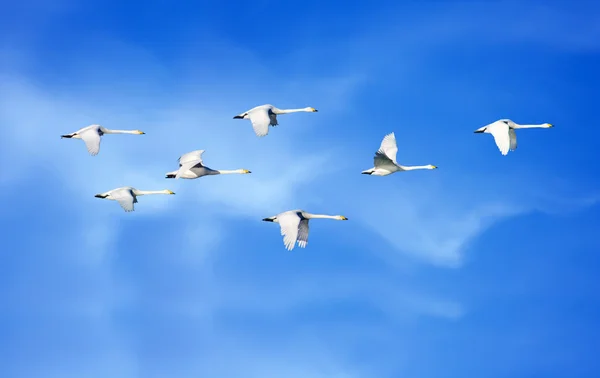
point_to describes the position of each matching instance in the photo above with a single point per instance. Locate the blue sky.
(487, 266)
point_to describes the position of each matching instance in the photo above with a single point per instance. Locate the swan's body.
(385, 159)
(191, 166)
(504, 134)
(294, 226)
(91, 136)
(264, 116)
(127, 196)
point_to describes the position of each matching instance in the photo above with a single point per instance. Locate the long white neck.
(109, 131)
(538, 126)
(320, 216)
(413, 167)
(226, 172)
(285, 111)
(145, 192)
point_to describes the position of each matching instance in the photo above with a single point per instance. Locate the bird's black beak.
(100, 196)
(66, 136)
(267, 220)
(366, 173)
(238, 117)
(478, 131)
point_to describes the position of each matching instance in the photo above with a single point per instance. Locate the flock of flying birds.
(293, 223)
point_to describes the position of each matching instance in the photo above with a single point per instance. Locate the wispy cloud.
(440, 229)
(171, 270)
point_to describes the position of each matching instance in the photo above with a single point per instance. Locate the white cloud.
(429, 222)
(142, 161)
(433, 229)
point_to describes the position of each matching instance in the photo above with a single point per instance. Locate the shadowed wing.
(303, 233)
(289, 223)
(273, 118)
(513, 139)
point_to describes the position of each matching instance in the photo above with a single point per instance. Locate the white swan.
(91, 136)
(294, 226)
(504, 134)
(264, 115)
(385, 159)
(191, 166)
(127, 196)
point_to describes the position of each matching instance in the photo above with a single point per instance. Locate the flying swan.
(91, 136)
(294, 226)
(191, 166)
(264, 115)
(504, 134)
(127, 196)
(385, 159)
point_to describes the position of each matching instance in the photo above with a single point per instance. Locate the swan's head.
(309, 109)
(167, 191)
(429, 166)
(245, 171)
(341, 217)
(140, 132)
(548, 125)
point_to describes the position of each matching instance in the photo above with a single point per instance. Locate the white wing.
(388, 147)
(289, 223)
(260, 121)
(386, 155)
(499, 131)
(513, 139)
(187, 161)
(125, 198)
(191, 156)
(303, 233)
(91, 138)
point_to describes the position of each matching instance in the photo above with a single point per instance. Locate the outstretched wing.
(386, 155)
(91, 138)
(513, 139)
(191, 156)
(125, 198)
(189, 160)
(500, 132)
(289, 223)
(260, 121)
(303, 233)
